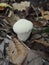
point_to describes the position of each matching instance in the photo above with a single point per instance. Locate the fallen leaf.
(21, 6)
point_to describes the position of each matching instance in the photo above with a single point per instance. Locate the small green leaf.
(46, 30)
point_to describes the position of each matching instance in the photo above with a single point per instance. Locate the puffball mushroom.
(23, 29)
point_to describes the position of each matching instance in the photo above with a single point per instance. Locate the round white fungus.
(23, 29)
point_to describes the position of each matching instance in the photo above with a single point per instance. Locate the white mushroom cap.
(22, 26)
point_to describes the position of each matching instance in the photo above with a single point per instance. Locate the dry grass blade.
(42, 42)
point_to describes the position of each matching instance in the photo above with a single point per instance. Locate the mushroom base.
(23, 36)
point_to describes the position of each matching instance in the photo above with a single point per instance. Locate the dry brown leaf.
(17, 52)
(45, 15)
